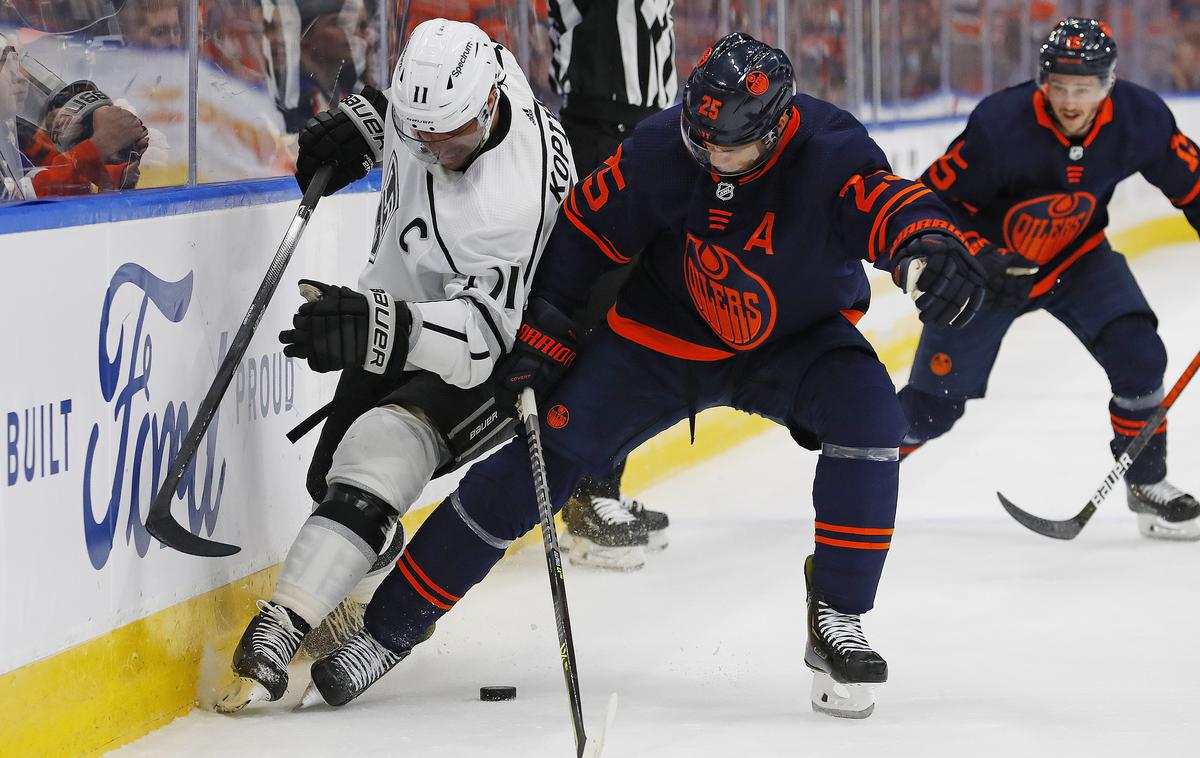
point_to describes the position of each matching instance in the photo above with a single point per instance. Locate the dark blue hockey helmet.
(1079, 47)
(736, 95)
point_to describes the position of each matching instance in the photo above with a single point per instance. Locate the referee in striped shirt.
(614, 64)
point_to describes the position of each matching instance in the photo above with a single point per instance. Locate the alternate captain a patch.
(735, 302)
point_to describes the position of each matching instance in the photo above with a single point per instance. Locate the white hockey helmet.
(443, 82)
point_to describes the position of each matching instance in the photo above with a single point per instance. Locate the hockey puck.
(494, 694)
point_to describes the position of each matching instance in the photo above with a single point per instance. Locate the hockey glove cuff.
(946, 282)
(339, 327)
(1010, 276)
(544, 348)
(350, 136)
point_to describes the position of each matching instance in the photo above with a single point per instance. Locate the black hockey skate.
(656, 523)
(1164, 511)
(348, 671)
(843, 664)
(602, 532)
(262, 657)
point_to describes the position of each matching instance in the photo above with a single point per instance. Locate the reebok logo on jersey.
(735, 302)
(1041, 228)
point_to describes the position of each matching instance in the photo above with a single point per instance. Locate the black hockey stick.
(1069, 529)
(159, 521)
(584, 748)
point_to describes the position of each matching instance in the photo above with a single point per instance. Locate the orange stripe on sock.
(855, 545)
(852, 529)
(412, 580)
(432, 584)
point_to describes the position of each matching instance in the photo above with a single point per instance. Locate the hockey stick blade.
(1059, 530)
(1069, 529)
(160, 523)
(594, 745)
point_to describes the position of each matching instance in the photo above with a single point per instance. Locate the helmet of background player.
(442, 91)
(734, 102)
(1079, 47)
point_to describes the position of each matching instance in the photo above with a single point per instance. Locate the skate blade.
(311, 697)
(658, 541)
(844, 701)
(584, 552)
(1158, 528)
(240, 694)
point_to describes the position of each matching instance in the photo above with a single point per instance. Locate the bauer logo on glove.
(337, 328)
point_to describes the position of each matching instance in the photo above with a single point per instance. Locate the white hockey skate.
(1164, 512)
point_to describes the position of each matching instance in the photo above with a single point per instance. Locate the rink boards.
(109, 345)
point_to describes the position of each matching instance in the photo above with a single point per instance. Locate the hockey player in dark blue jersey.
(1030, 178)
(753, 209)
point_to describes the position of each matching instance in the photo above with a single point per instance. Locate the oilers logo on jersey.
(735, 302)
(1040, 228)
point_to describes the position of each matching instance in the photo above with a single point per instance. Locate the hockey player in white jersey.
(474, 171)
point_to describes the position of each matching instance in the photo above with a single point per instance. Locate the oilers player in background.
(753, 209)
(474, 172)
(1030, 178)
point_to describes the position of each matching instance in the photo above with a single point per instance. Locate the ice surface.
(1000, 642)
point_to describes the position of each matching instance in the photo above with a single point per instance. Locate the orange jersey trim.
(1048, 281)
(1189, 197)
(789, 131)
(877, 241)
(571, 208)
(661, 342)
(853, 544)
(853, 529)
(853, 315)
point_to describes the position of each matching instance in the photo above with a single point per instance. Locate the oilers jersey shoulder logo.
(735, 302)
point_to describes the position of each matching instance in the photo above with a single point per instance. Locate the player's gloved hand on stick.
(1010, 276)
(349, 135)
(338, 328)
(945, 280)
(544, 348)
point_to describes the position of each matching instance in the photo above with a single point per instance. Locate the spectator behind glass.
(12, 168)
(231, 34)
(72, 140)
(335, 36)
(152, 24)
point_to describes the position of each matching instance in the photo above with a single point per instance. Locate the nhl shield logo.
(724, 190)
(1075, 153)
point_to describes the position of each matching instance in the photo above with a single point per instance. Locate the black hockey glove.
(1010, 276)
(544, 348)
(350, 136)
(338, 328)
(945, 280)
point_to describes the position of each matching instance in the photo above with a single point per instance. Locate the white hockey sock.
(325, 563)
